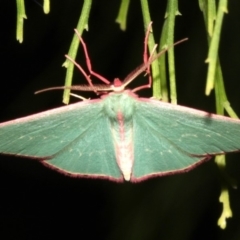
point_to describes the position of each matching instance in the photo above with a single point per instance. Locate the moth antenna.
(50, 89)
(100, 88)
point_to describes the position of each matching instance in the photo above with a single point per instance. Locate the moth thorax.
(119, 103)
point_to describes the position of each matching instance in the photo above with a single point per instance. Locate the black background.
(38, 203)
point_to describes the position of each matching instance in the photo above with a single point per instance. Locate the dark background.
(38, 203)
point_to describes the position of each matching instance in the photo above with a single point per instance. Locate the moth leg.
(88, 61)
(82, 71)
(79, 96)
(147, 59)
(145, 52)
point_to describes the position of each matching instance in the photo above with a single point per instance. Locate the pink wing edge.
(52, 111)
(185, 109)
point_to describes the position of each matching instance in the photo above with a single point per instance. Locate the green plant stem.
(157, 93)
(82, 24)
(122, 14)
(162, 63)
(227, 212)
(221, 96)
(220, 93)
(172, 11)
(211, 16)
(209, 13)
(214, 45)
(46, 6)
(21, 15)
